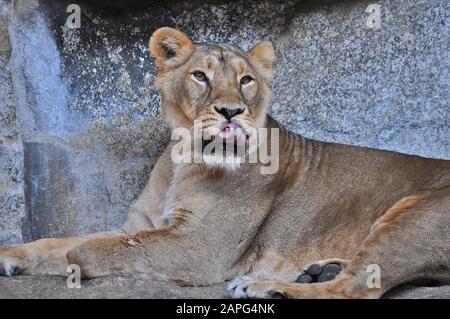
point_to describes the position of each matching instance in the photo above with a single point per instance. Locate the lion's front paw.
(98, 257)
(11, 261)
(90, 260)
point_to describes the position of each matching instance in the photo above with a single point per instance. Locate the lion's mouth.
(230, 134)
(233, 133)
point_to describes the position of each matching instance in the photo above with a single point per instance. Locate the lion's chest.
(228, 205)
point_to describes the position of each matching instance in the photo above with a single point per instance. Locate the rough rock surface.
(110, 287)
(80, 124)
(12, 210)
(122, 287)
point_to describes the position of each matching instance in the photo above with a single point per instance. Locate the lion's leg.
(43, 256)
(410, 241)
(48, 256)
(178, 252)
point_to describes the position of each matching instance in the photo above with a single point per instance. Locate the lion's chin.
(227, 162)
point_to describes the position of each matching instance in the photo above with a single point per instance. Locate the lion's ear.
(170, 48)
(264, 53)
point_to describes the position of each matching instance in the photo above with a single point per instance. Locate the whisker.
(207, 126)
(247, 122)
(209, 120)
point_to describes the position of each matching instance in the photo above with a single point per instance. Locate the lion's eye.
(200, 76)
(246, 80)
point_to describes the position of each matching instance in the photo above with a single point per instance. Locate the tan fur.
(393, 215)
(326, 201)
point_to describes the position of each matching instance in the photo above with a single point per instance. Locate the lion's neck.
(296, 153)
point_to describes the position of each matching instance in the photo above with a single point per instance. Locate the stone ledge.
(52, 287)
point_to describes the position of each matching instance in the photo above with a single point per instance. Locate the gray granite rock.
(125, 287)
(85, 157)
(418, 292)
(109, 287)
(12, 210)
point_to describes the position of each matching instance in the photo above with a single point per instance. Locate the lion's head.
(220, 86)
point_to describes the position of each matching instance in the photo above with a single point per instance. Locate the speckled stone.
(12, 209)
(52, 287)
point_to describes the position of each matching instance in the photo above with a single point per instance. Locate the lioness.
(318, 227)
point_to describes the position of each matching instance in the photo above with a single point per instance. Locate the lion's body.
(322, 204)
(201, 225)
